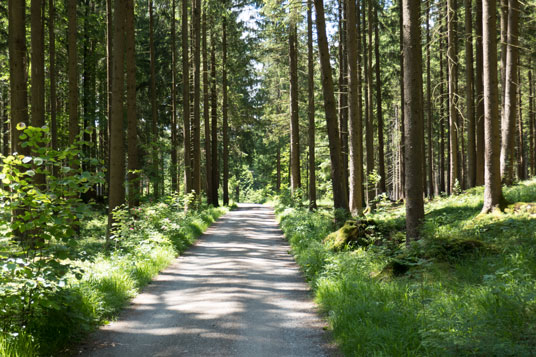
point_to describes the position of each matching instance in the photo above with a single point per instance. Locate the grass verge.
(101, 283)
(447, 303)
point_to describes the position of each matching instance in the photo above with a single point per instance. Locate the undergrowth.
(100, 282)
(449, 302)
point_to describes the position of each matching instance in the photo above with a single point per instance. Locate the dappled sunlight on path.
(237, 292)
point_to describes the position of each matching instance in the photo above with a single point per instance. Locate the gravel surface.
(237, 292)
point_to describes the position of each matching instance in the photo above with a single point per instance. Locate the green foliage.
(467, 288)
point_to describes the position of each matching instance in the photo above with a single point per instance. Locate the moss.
(360, 233)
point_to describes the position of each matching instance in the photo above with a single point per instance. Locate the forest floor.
(237, 292)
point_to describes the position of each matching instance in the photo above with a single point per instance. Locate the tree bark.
(225, 122)
(356, 153)
(532, 123)
(196, 170)
(295, 179)
(469, 97)
(493, 197)
(206, 113)
(117, 155)
(479, 87)
(74, 126)
(429, 166)
(311, 108)
(17, 70)
(132, 119)
(343, 93)
(453, 114)
(369, 120)
(379, 111)
(186, 100)
(340, 199)
(214, 95)
(521, 162)
(154, 110)
(510, 95)
(413, 108)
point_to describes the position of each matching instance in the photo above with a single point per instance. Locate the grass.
(480, 303)
(101, 283)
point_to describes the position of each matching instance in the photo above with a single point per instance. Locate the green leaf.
(26, 159)
(30, 173)
(21, 126)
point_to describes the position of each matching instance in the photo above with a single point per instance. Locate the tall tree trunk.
(117, 154)
(493, 197)
(17, 71)
(340, 199)
(356, 153)
(413, 108)
(479, 87)
(132, 119)
(402, 171)
(278, 169)
(74, 126)
(469, 96)
(532, 123)
(225, 123)
(206, 113)
(430, 165)
(154, 109)
(379, 111)
(214, 99)
(510, 99)
(174, 141)
(504, 39)
(196, 169)
(109, 36)
(186, 100)
(453, 114)
(5, 124)
(38, 70)
(311, 107)
(521, 162)
(343, 93)
(442, 176)
(295, 179)
(369, 120)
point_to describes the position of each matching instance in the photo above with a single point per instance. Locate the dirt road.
(237, 292)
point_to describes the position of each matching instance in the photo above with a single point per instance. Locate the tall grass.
(480, 303)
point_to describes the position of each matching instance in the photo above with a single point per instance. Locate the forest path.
(237, 292)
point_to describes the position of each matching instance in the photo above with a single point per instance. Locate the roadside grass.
(450, 302)
(101, 283)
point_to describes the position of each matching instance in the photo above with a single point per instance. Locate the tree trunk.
(311, 108)
(38, 70)
(225, 123)
(413, 108)
(186, 100)
(369, 120)
(402, 144)
(17, 71)
(510, 92)
(117, 154)
(343, 93)
(295, 179)
(196, 172)
(206, 113)
(442, 178)
(356, 153)
(521, 163)
(154, 110)
(504, 39)
(278, 169)
(74, 126)
(132, 119)
(479, 87)
(532, 123)
(469, 97)
(340, 199)
(429, 166)
(379, 111)
(109, 36)
(493, 197)
(453, 114)
(215, 168)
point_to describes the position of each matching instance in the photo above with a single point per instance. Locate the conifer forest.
(395, 141)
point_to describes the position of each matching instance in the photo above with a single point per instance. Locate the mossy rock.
(358, 233)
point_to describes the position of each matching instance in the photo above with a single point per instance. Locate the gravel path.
(237, 292)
